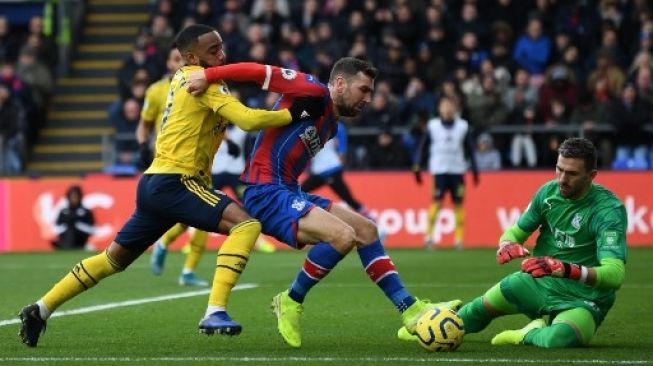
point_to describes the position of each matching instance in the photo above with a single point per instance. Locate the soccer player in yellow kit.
(150, 124)
(176, 189)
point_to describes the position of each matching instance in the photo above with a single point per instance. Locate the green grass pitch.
(347, 320)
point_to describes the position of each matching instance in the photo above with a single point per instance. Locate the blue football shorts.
(279, 208)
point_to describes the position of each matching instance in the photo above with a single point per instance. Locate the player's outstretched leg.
(32, 325)
(84, 275)
(160, 248)
(517, 336)
(197, 244)
(158, 259)
(382, 271)
(571, 328)
(288, 312)
(287, 305)
(232, 259)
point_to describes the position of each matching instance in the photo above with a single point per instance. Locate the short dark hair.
(350, 66)
(579, 148)
(187, 37)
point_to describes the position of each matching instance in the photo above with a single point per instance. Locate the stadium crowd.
(28, 59)
(526, 74)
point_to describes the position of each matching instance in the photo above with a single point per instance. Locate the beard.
(345, 110)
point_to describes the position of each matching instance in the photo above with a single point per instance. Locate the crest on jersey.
(288, 74)
(311, 140)
(575, 222)
(298, 205)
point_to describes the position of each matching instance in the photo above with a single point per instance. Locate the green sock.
(478, 313)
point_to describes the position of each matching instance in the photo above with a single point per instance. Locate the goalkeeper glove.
(509, 250)
(232, 148)
(418, 174)
(547, 266)
(144, 155)
(303, 108)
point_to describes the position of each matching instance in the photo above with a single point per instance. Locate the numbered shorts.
(279, 209)
(454, 183)
(536, 297)
(162, 200)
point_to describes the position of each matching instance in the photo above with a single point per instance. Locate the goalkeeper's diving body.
(569, 284)
(176, 188)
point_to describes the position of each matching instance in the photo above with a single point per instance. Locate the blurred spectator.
(558, 84)
(644, 84)
(46, 47)
(75, 223)
(309, 16)
(486, 108)
(128, 72)
(533, 49)
(12, 133)
(231, 37)
(487, 156)
(171, 10)
(607, 71)
(8, 41)
(163, 34)
(270, 14)
(388, 153)
(522, 94)
(124, 116)
(380, 113)
(37, 76)
(203, 13)
(630, 115)
(522, 146)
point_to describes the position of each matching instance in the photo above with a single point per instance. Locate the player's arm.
(468, 149)
(511, 244)
(512, 240)
(270, 78)
(425, 140)
(250, 119)
(341, 137)
(609, 275)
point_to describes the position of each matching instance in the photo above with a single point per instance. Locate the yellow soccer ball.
(440, 330)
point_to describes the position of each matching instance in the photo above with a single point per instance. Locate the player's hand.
(303, 108)
(232, 148)
(144, 155)
(418, 174)
(543, 266)
(509, 250)
(196, 83)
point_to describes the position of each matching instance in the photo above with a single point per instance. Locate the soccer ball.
(440, 330)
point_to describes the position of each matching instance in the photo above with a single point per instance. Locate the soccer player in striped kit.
(273, 194)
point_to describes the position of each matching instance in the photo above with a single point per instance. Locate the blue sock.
(382, 271)
(319, 261)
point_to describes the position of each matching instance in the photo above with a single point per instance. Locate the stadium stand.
(529, 73)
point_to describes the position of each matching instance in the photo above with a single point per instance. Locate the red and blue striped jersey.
(281, 154)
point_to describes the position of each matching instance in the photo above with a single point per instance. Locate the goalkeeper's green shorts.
(536, 297)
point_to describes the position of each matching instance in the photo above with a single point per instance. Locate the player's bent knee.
(561, 335)
(344, 239)
(367, 231)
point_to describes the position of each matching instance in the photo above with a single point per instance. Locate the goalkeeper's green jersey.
(582, 231)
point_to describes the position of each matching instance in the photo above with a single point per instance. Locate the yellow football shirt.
(155, 102)
(192, 127)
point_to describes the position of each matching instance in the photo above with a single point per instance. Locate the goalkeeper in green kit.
(578, 263)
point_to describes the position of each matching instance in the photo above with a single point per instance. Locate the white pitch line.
(113, 305)
(337, 360)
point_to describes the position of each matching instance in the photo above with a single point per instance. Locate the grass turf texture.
(347, 319)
